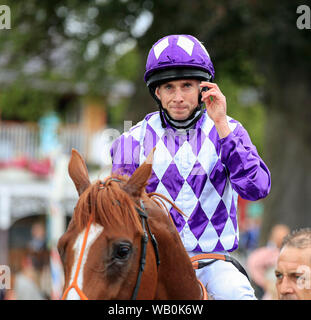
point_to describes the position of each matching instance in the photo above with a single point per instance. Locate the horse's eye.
(122, 251)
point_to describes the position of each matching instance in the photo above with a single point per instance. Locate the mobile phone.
(205, 89)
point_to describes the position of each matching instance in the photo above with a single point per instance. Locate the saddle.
(199, 263)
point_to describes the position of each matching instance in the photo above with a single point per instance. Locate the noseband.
(144, 241)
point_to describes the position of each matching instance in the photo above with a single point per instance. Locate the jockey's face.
(293, 274)
(179, 97)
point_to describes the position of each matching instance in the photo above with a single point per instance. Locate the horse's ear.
(78, 171)
(138, 181)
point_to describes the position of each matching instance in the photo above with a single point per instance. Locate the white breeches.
(223, 281)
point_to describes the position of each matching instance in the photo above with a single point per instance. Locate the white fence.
(23, 140)
(74, 137)
(18, 140)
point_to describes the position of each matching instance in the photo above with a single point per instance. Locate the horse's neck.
(177, 279)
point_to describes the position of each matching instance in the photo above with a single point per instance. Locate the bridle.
(142, 262)
(74, 284)
(144, 241)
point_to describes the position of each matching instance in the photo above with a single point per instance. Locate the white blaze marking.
(95, 231)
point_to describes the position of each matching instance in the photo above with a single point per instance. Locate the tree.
(251, 42)
(258, 43)
(282, 56)
(63, 47)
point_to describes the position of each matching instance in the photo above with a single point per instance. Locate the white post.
(5, 221)
(57, 214)
(5, 207)
(57, 222)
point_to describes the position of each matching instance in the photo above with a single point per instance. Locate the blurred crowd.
(281, 269)
(262, 261)
(30, 269)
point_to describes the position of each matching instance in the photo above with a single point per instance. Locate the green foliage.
(65, 42)
(127, 66)
(18, 102)
(116, 113)
(250, 114)
(77, 41)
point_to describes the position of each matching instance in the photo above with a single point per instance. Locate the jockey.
(203, 159)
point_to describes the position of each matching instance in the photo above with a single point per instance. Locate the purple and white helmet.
(177, 57)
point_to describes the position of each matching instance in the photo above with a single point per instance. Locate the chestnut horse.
(121, 243)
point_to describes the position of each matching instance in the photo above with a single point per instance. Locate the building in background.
(35, 186)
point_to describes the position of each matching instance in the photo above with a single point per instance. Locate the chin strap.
(181, 124)
(178, 124)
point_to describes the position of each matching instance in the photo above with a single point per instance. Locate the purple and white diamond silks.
(190, 169)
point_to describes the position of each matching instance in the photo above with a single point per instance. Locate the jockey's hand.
(216, 107)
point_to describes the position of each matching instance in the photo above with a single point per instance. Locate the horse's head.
(102, 250)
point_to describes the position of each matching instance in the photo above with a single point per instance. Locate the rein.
(196, 261)
(144, 241)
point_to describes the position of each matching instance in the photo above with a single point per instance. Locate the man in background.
(293, 271)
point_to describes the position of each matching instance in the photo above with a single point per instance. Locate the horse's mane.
(110, 205)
